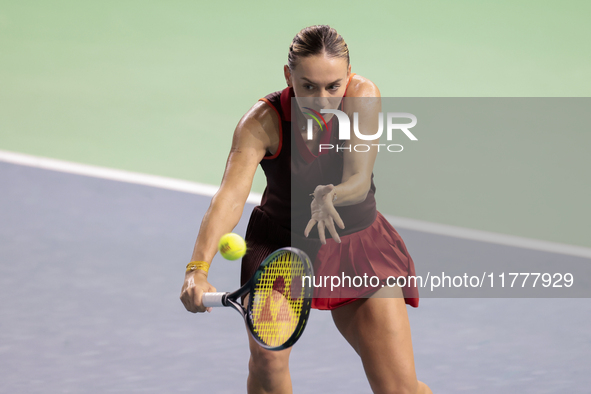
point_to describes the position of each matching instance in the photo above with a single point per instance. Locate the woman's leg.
(379, 331)
(268, 370)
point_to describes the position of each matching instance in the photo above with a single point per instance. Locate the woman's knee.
(267, 362)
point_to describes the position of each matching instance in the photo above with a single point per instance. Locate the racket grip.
(213, 299)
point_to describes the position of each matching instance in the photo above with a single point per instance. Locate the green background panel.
(509, 165)
(158, 87)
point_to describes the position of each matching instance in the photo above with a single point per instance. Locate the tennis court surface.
(91, 271)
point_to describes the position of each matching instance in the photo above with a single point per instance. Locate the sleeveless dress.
(369, 244)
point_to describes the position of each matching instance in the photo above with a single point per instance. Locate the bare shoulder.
(362, 87)
(260, 126)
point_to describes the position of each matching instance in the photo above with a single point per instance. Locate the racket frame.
(232, 299)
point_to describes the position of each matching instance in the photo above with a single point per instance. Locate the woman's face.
(319, 82)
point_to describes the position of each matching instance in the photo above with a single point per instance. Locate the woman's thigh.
(268, 360)
(379, 331)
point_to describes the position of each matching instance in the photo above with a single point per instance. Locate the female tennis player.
(338, 225)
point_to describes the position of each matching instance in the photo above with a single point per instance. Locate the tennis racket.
(279, 302)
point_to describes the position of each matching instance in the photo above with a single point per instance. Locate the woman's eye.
(308, 87)
(334, 87)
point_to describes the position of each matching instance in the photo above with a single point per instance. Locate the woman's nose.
(322, 102)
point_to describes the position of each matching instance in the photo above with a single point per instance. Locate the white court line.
(116, 175)
(255, 198)
(485, 236)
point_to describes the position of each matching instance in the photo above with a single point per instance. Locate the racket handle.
(214, 299)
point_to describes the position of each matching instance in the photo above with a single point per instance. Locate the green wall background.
(158, 87)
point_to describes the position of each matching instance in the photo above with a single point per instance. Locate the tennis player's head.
(318, 66)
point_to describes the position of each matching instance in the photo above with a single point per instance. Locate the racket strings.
(278, 299)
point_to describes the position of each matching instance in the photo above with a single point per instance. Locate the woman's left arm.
(357, 163)
(360, 156)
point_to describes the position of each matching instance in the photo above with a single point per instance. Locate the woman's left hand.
(324, 213)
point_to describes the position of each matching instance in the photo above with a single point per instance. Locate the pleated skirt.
(376, 256)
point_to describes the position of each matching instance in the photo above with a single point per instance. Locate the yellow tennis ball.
(232, 246)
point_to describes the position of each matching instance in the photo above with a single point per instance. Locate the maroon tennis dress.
(369, 245)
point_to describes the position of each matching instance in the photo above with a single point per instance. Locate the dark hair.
(315, 40)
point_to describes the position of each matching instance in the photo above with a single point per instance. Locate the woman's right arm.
(255, 134)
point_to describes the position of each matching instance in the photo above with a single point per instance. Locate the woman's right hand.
(192, 292)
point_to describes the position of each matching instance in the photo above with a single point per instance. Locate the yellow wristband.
(198, 265)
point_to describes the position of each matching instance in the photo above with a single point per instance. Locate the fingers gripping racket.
(279, 302)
